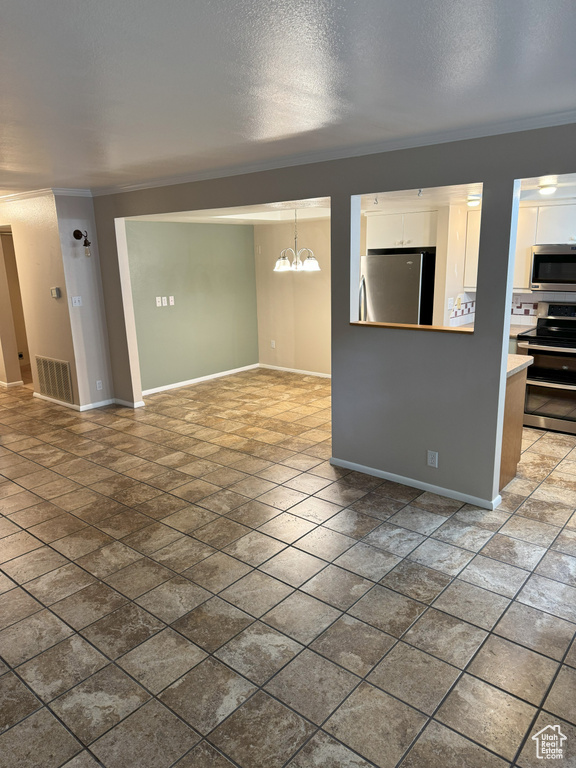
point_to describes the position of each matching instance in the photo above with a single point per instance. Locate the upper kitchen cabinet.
(401, 230)
(556, 224)
(472, 246)
(525, 239)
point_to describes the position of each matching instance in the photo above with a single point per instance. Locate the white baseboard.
(475, 500)
(295, 370)
(8, 384)
(180, 384)
(73, 406)
(89, 406)
(101, 404)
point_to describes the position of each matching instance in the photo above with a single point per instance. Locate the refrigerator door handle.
(362, 300)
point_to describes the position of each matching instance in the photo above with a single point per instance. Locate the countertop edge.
(517, 363)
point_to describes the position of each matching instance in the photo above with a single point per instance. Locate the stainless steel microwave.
(553, 268)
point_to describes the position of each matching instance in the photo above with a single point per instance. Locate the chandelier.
(310, 263)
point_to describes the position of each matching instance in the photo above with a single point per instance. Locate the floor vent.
(55, 380)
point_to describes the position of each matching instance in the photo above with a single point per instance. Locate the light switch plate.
(164, 301)
(171, 300)
(158, 301)
(76, 301)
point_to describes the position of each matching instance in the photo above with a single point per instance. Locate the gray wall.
(396, 392)
(209, 269)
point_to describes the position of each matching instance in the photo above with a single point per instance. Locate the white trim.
(411, 142)
(90, 406)
(25, 195)
(128, 309)
(42, 192)
(100, 404)
(71, 192)
(295, 370)
(127, 404)
(179, 384)
(57, 402)
(475, 500)
(8, 384)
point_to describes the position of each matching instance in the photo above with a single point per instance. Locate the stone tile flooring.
(192, 584)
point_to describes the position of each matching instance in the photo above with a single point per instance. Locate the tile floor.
(192, 584)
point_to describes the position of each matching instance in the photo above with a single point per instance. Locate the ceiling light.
(473, 201)
(78, 235)
(310, 263)
(547, 189)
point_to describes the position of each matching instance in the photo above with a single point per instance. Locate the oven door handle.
(525, 345)
(551, 385)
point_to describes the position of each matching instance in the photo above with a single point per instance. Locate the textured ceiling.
(109, 94)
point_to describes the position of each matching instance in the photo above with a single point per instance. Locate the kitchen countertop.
(517, 363)
(516, 329)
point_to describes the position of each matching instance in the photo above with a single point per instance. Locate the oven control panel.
(547, 309)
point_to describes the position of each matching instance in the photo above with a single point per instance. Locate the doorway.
(202, 298)
(16, 355)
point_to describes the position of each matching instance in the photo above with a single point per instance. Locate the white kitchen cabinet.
(404, 230)
(472, 245)
(384, 230)
(420, 228)
(525, 239)
(556, 224)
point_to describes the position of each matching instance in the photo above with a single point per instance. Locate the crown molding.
(25, 195)
(412, 142)
(56, 192)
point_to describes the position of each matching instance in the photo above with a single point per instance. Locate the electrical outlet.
(171, 300)
(98, 385)
(272, 344)
(164, 301)
(76, 301)
(158, 301)
(432, 459)
(450, 303)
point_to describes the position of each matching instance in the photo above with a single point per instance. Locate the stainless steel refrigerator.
(397, 286)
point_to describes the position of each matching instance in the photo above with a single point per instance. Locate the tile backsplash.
(524, 308)
(465, 313)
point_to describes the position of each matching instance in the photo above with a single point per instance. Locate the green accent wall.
(210, 271)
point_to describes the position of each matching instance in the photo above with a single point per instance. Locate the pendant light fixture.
(310, 263)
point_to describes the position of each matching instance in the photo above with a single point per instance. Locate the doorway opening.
(203, 299)
(15, 352)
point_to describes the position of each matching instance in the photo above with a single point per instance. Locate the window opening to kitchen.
(415, 257)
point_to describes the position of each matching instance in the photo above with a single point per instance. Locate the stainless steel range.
(551, 386)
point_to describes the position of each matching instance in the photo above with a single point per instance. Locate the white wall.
(293, 308)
